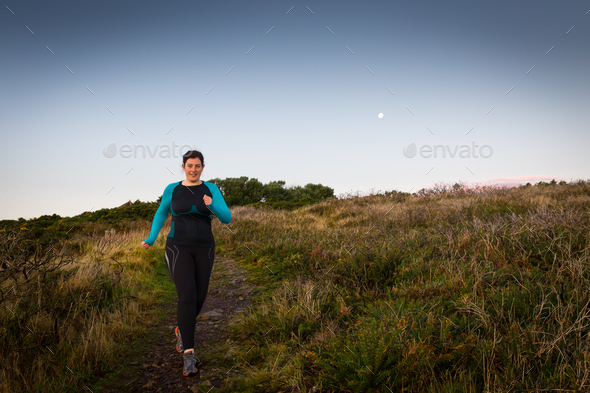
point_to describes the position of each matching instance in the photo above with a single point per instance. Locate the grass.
(457, 290)
(448, 290)
(64, 315)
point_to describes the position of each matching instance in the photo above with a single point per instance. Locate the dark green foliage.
(243, 191)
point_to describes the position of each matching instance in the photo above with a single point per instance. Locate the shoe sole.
(176, 332)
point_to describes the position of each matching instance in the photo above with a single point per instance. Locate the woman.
(190, 246)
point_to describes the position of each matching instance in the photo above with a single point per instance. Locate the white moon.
(380, 115)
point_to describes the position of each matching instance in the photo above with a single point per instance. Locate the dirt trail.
(158, 368)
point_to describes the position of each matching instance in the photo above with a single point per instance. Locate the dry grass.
(472, 290)
(62, 322)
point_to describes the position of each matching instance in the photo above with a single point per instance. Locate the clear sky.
(287, 90)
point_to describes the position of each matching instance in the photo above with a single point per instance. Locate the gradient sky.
(300, 102)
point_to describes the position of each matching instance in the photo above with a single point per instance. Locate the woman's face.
(192, 169)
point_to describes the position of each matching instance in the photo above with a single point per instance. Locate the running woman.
(190, 246)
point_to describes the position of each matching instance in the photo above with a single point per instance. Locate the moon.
(380, 115)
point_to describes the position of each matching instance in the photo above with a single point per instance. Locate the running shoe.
(179, 347)
(189, 368)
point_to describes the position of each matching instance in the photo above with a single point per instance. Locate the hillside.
(446, 290)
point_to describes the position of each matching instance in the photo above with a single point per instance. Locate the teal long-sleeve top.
(191, 218)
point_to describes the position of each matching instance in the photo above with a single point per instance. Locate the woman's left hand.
(207, 199)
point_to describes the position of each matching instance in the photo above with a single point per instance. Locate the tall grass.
(64, 313)
(482, 289)
(448, 290)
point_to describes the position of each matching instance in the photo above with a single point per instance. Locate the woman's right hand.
(145, 245)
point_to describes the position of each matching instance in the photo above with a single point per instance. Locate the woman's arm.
(218, 206)
(161, 214)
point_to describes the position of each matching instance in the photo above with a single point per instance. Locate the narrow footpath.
(158, 367)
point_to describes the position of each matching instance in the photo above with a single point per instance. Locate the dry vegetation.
(450, 290)
(63, 313)
(447, 290)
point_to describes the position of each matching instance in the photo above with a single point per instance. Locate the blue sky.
(287, 91)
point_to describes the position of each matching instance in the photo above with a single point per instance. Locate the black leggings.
(190, 269)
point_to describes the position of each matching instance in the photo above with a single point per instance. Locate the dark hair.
(193, 154)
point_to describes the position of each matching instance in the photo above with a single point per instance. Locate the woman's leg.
(190, 269)
(204, 258)
(181, 266)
